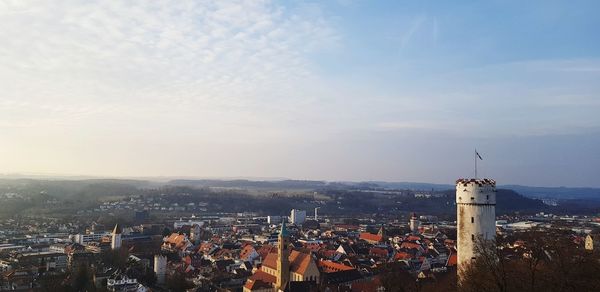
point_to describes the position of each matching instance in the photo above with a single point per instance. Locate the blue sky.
(335, 90)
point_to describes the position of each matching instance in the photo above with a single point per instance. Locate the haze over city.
(337, 90)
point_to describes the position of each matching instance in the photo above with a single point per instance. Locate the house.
(371, 238)
(592, 242)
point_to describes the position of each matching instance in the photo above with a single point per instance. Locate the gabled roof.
(246, 252)
(330, 267)
(265, 250)
(299, 261)
(371, 237)
(260, 280)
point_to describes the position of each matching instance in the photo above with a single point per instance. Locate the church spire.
(283, 259)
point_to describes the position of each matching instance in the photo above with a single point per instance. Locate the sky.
(350, 90)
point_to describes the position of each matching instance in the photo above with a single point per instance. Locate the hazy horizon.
(345, 90)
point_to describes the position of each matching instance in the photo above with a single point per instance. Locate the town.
(148, 248)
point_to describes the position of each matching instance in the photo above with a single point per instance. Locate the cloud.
(221, 62)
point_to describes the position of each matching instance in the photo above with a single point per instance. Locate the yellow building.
(592, 242)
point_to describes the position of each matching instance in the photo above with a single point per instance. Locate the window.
(472, 219)
(472, 198)
(473, 237)
(487, 197)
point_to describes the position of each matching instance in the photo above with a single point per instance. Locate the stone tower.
(115, 242)
(381, 231)
(160, 268)
(195, 234)
(414, 223)
(283, 259)
(475, 216)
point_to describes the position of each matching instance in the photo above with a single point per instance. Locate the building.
(122, 283)
(274, 219)
(414, 223)
(160, 268)
(476, 216)
(195, 233)
(285, 270)
(297, 217)
(191, 222)
(592, 242)
(91, 237)
(115, 242)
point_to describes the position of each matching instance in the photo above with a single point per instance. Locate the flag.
(477, 153)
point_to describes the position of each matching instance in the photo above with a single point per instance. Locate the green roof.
(284, 231)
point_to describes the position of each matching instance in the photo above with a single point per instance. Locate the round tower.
(414, 223)
(160, 268)
(475, 216)
(195, 234)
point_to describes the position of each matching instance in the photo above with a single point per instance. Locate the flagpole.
(475, 163)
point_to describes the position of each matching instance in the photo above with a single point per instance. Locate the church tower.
(115, 243)
(381, 232)
(283, 259)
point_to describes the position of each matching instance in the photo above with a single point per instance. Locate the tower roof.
(117, 229)
(284, 231)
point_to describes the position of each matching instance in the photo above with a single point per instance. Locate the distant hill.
(243, 183)
(563, 193)
(509, 201)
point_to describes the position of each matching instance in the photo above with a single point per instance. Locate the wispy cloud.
(211, 60)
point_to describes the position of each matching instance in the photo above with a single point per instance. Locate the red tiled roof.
(260, 280)
(402, 256)
(371, 237)
(410, 245)
(382, 252)
(327, 252)
(329, 266)
(265, 250)
(246, 252)
(299, 261)
(176, 240)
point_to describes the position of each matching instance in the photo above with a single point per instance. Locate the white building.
(414, 224)
(83, 239)
(273, 219)
(190, 222)
(297, 217)
(476, 216)
(115, 242)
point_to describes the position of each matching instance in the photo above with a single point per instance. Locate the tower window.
(472, 219)
(472, 198)
(473, 237)
(487, 197)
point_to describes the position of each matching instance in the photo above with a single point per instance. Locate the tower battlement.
(476, 191)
